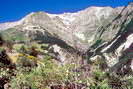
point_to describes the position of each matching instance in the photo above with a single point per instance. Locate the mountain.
(103, 33)
(81, 26)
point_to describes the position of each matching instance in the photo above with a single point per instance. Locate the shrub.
(42, 76)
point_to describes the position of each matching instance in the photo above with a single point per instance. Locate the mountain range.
(102, 33)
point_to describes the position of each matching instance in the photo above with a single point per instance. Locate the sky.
(12, 10)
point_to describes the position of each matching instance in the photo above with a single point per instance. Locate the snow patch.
(80, 36)
(67, 18)
(126, 45)
(129, 41)
(131, 65)
(110, 45)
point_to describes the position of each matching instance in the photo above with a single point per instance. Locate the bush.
(42, 76)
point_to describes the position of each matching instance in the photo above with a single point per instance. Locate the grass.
(14, 35)
(30, 72)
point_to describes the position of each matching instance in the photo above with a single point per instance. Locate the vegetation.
(13, 35)
(97, 43)
(32, 72)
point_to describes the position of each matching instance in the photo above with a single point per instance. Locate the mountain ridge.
(95, 32)
(53, 15)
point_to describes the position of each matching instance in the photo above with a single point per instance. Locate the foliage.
(97, 43)
(42, 76)
(14, 35)
(30, 72)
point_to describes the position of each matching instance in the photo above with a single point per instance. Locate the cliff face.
(118, 51)
(98, 32)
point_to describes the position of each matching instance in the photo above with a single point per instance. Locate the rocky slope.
(103, 33)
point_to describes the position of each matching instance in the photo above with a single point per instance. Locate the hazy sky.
(11, 10)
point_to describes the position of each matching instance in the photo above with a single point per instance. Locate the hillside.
(99, 38)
